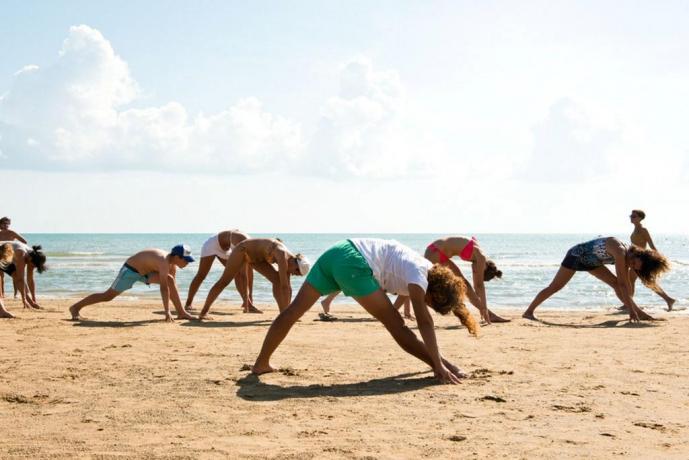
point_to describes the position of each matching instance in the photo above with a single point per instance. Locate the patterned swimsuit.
(588, 256)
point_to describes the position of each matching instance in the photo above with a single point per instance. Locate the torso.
(147, 261)
(261, 249)
(638, 238)
(455, 246)
(231, 238)
(593, 253)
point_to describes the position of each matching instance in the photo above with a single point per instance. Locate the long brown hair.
(447, 294)
(653, 264)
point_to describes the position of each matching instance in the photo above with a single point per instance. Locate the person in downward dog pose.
(150, 266)
(260, 254)
(220, 246)
(592, 256)
(25, 260)
(642, 238)
(482, 269)
(6, 256)
(365, 268)
(8, 235)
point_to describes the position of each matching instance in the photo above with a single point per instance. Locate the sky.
(390, 116)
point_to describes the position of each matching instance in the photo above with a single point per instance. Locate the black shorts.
(9, 269)
(575, 263)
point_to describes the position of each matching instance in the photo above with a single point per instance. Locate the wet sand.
(126, 384)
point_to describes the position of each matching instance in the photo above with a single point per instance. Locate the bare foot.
(670, 304)
(258, 370)
(529, 315)
(205, 318)
(643, 316)
(252, 309)
(75, 314)
(189, 308)
(409, 317)
(6, 314)
(498, 319)
(186, 315)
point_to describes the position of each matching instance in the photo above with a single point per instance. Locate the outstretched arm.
(649, 239)
(619, 252)
(163, 273)
(285, 290)
(477, 269)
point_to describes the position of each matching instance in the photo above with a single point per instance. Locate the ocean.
(85, 263)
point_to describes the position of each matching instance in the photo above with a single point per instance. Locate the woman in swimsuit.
(25, 260)
(219, 247)
(8, 235)
(442, 250)
(642, 238)
(260, 254)
(6, 256)
(592, 256)
(367, 268)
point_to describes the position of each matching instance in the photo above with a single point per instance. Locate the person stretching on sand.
(25, 260)
(442, 250)
(642, 238)
(591, 256)
(220, 246)
(8, 235)
(6, 256)
(365, 268)
(400, 301)
(147, 266)
(260, 254)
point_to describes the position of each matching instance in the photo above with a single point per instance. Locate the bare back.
(453, 246)
(262, 250)
(150, 261)
(228, 239)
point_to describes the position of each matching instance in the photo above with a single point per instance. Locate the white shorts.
(212, 248)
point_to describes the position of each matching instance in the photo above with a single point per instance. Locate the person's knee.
(110, 294)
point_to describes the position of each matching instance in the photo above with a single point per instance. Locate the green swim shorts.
(342, 268)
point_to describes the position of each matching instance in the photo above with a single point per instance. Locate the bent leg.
(606, 276)
(272, 275)
(90, 300)
(234, 263)
(205, 264)
(560, 280)
(305, 299)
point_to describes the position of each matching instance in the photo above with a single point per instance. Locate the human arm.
(18, 277)
(649, 240)
(31, 285)
(624, 290)
(285, 289)
(174, 296)
(17, 236)
(427, 330)
(164, 277)
(478, 266)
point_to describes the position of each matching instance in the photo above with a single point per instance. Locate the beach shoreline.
(125, 383)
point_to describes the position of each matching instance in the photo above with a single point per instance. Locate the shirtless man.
(260, 254)
(642, 238)
(219, 247)
(25, 260)
(8, 235)
(148, 266)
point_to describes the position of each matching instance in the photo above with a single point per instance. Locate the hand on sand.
(169, 318)
(409, 316)
(459, 373)
(485, 315)
(258, 369)
(445, 376)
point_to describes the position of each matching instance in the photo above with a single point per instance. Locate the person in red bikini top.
(468, 249)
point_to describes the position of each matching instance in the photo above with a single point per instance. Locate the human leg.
(205, 264)
(561, 279)
(234, 263)
(606, 276)
(105, 296)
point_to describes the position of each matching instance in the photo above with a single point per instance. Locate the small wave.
(74, 253)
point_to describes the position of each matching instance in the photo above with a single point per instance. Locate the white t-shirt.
(18, 246)
(394, 265)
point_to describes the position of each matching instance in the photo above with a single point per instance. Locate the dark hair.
(491, 271)
(38, 258)
(5, 219)
(639, 213)
(447, 293)
(653, 264)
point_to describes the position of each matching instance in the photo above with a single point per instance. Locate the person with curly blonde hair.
(592, 256)
(6, 256)
(366, 269)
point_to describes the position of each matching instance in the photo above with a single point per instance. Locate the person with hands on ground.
(150, 266)
(592, 256)
(365, 269)
(25, 260)
(6, 256)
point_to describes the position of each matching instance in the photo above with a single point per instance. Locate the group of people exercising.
(366, 269)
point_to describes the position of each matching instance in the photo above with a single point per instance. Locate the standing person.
(8, 235)
(592, 256)
(147, 266)
(25, 260)
(260, 254)
(642, 238)
(220, 246)
(365, 268)
(482, 269)
(6, 256)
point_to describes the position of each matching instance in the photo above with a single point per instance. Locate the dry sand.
(126, 384)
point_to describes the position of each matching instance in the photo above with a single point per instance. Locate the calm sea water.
(83, 263)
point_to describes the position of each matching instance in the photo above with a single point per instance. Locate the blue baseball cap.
(183, 251)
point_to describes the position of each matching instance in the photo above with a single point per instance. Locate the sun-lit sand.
(126, 384)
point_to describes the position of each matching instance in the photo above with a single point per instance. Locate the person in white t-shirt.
(365, 269)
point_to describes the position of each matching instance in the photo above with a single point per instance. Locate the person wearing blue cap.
(150, 266)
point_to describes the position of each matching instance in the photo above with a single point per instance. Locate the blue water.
(84, 263)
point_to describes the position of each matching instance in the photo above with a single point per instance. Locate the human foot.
(252, 309)
(529, 315)
(670, 303)
(6, 314)
(75, 313)
(498, 319)
(258, 369)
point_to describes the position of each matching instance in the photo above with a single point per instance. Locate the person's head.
(6, 254)
(180, 255)
(647, 263)
(37, 258)
(298, 265)
(446, 293)
(636, 216)
(5, 223)
(491, 271)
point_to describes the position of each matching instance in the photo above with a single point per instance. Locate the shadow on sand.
(212, 323)
(253, 389)
(613, 323)
(94, 323)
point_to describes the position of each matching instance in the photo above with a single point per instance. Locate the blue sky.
(453, 117)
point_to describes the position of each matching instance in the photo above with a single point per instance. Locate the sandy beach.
(126, 384)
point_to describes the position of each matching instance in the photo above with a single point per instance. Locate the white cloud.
(72, 115)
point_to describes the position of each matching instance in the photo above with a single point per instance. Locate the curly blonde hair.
(6, 254)
(653, 265)
(447, 293)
